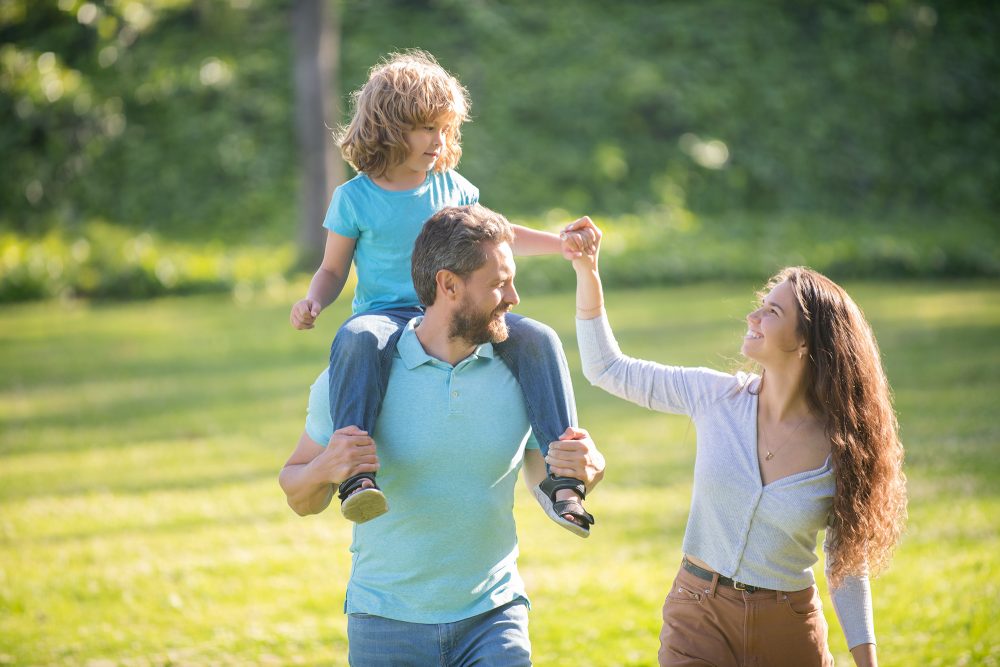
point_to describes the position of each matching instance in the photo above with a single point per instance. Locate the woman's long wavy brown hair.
(846, 384)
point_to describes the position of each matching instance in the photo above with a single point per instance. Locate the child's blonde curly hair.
(403, 91)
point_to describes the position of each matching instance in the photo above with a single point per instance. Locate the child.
(403, 141)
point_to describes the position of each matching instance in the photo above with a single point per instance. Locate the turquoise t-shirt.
(451, 442)
(385, 225)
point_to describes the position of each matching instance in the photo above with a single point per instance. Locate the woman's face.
(772, 329)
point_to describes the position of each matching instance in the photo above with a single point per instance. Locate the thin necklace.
(788, 438)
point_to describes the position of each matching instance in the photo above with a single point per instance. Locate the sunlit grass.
(141, 523)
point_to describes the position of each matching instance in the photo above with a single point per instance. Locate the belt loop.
(714, 585)
(778, 595)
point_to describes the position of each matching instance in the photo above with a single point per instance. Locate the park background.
(164, 167)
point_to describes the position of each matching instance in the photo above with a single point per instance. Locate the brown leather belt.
(708, 575)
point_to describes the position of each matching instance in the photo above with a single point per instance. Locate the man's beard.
(478, 328)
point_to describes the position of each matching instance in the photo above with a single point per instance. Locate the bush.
(105, 261)
(177, 115)
(667, 246)
(671, 247)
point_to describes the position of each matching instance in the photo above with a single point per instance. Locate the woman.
(811, 442)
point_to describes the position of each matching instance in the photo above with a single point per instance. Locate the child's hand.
(580, 238)
(304, 313)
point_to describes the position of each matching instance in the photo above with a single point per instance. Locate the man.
(435, 580)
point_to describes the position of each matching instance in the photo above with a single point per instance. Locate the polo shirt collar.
(412, 352)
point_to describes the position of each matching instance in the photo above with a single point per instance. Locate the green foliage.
(175, 116)
(664, 246)
(166, 115)
(765, 106)
(671, 246)
(141, 521)
(105, 261)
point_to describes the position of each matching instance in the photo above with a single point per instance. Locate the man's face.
(488, 293)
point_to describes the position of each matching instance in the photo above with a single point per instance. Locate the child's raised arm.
(327, 282)
(576, 238)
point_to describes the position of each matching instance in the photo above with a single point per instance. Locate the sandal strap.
(552, 483)
(574, 509)
(352, 484)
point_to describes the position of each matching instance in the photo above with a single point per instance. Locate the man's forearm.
(533, 468)
(305, 492)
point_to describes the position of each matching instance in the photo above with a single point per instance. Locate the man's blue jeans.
(498, 638)
(362, 352)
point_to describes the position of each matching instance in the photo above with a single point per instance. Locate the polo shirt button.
(454, 394)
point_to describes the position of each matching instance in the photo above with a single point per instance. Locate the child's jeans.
(362, 352)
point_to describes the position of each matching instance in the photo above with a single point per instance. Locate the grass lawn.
(141, 522)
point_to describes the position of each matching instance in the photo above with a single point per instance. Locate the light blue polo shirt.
(450, 441)
(386, 224)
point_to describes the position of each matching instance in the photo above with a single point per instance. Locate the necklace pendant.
(769, 456)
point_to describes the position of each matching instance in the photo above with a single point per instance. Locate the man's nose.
(511, 296)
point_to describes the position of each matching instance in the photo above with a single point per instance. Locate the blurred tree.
(316, 40)
(180, 116)
(168, 115)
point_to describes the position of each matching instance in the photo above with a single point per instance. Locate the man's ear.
(448, 284)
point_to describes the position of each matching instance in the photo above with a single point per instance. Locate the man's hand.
(575, 455)
(304, 313)
(349, 452)
(579, 238)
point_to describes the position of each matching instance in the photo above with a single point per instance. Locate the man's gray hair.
(453, 239)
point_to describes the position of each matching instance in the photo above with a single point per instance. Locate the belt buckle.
(739, 585)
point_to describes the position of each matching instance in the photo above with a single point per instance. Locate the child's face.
(427, 142)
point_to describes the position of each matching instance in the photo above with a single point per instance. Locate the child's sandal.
(359, 504)
(546, 495)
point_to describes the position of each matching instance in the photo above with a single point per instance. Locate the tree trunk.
(316, 35)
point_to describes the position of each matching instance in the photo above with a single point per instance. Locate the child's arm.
(577, 238)
(327, 282)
